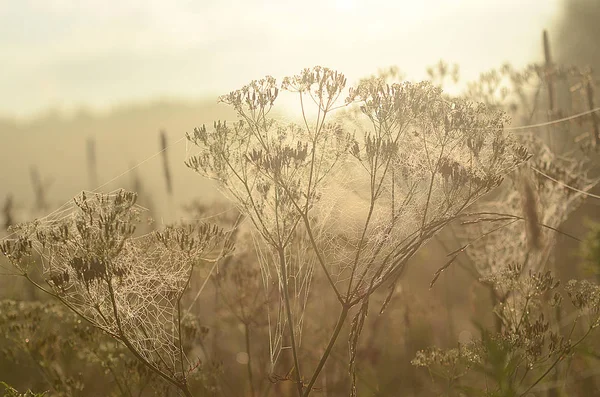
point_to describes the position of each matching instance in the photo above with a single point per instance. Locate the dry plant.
(58, 343)
(129, 287)
(442, 73)
(544, 93)
(355, 207)
(545, 191)
(522, 222)
(550, 187)
(517, 360)
(520, 225)
(8, 212)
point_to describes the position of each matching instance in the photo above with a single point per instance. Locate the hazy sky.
(99, 53)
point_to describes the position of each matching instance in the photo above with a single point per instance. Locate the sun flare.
(344, 5)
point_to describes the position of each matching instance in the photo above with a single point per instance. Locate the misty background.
(117, 73)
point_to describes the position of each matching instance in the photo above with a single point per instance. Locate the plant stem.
(327, 353)
(249, 365)
(179, 333)
(320, 258)
(181, 386)
(288, 311)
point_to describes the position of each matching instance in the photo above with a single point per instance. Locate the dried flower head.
(130, 287)
(358, 207)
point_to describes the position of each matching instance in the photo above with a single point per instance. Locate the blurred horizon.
(76, 72)
(67, 57)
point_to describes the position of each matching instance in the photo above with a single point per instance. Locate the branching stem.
(290, 319)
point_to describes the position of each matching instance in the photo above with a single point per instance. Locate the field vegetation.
(387, 239)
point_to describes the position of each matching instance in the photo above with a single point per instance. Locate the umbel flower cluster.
(129, 287)
(516, 359)
(361, 202)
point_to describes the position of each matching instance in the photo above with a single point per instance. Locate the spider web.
(300, 262)
(416, 198)
(127, 286)
(553, 203)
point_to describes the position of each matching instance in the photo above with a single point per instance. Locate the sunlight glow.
(136, 52)
(345, 5)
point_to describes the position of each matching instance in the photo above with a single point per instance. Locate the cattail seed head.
(530, 212)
